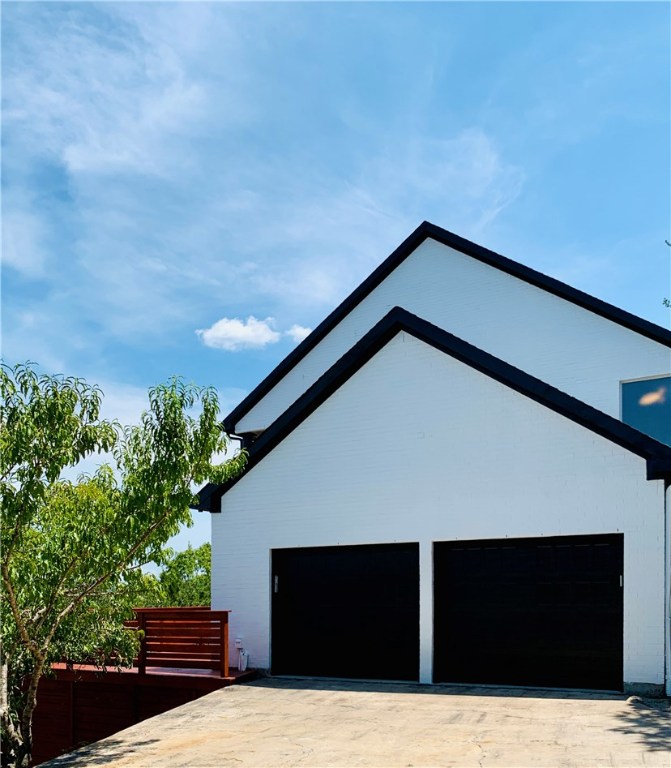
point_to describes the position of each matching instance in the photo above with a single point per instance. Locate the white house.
(440, 487)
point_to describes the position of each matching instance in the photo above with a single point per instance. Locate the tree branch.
(31, 645)
(77, 600)
(44, 612)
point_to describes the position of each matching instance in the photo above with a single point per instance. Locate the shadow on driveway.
(650, 720)
(377, 686)
(98, 753)
(278, 722)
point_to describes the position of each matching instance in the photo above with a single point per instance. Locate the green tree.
(71, 551)
(185, 579)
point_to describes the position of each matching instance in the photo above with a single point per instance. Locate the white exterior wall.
(550, 338)
(419, 447)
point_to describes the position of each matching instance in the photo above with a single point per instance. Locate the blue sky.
(170, 171)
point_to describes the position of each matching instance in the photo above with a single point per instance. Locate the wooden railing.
(186, 638)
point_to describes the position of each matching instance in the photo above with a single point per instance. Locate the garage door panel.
(346, 611)
(529, 612)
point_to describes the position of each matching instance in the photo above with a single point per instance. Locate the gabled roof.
(204, 497)
(422, 233)
(656, 454)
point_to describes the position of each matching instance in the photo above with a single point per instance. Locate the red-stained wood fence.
(82, 705)
(184, 655)
(184, 638)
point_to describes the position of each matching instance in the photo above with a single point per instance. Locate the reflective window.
(646, 406)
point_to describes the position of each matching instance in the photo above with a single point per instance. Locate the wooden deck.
(79, 703)
(152, 675)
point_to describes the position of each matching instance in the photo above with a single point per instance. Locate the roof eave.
(424, 231)
(656, 455)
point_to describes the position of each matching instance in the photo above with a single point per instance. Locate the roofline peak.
(427, 230)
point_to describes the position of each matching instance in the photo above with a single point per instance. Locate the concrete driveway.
(274, 723)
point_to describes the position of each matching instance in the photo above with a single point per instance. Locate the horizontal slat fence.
(186, 638)
(81, 704)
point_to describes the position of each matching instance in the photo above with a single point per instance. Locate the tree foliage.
(185, 579)
(71, 551)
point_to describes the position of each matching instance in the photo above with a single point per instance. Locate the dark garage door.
(545, 612)
(346, 611)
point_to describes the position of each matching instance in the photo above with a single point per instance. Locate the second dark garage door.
(538, 612)
(346, 611)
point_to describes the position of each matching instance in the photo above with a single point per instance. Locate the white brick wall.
(548, 337)
(419, 447)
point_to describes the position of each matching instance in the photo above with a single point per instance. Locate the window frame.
(634, 381)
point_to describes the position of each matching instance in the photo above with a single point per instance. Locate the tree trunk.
(11, 738)
(26, 726)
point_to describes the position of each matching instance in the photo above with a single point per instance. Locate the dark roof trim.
(204, 498)
(423, 232)
(657, 455)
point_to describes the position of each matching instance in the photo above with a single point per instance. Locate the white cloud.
(137, 114)
(22, 235)
(298, 333)
(234, 334)
(96, 95)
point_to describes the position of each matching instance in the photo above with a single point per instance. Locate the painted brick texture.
(419, 447)
(550, 338)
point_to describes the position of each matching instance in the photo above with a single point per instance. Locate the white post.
(426, 612)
